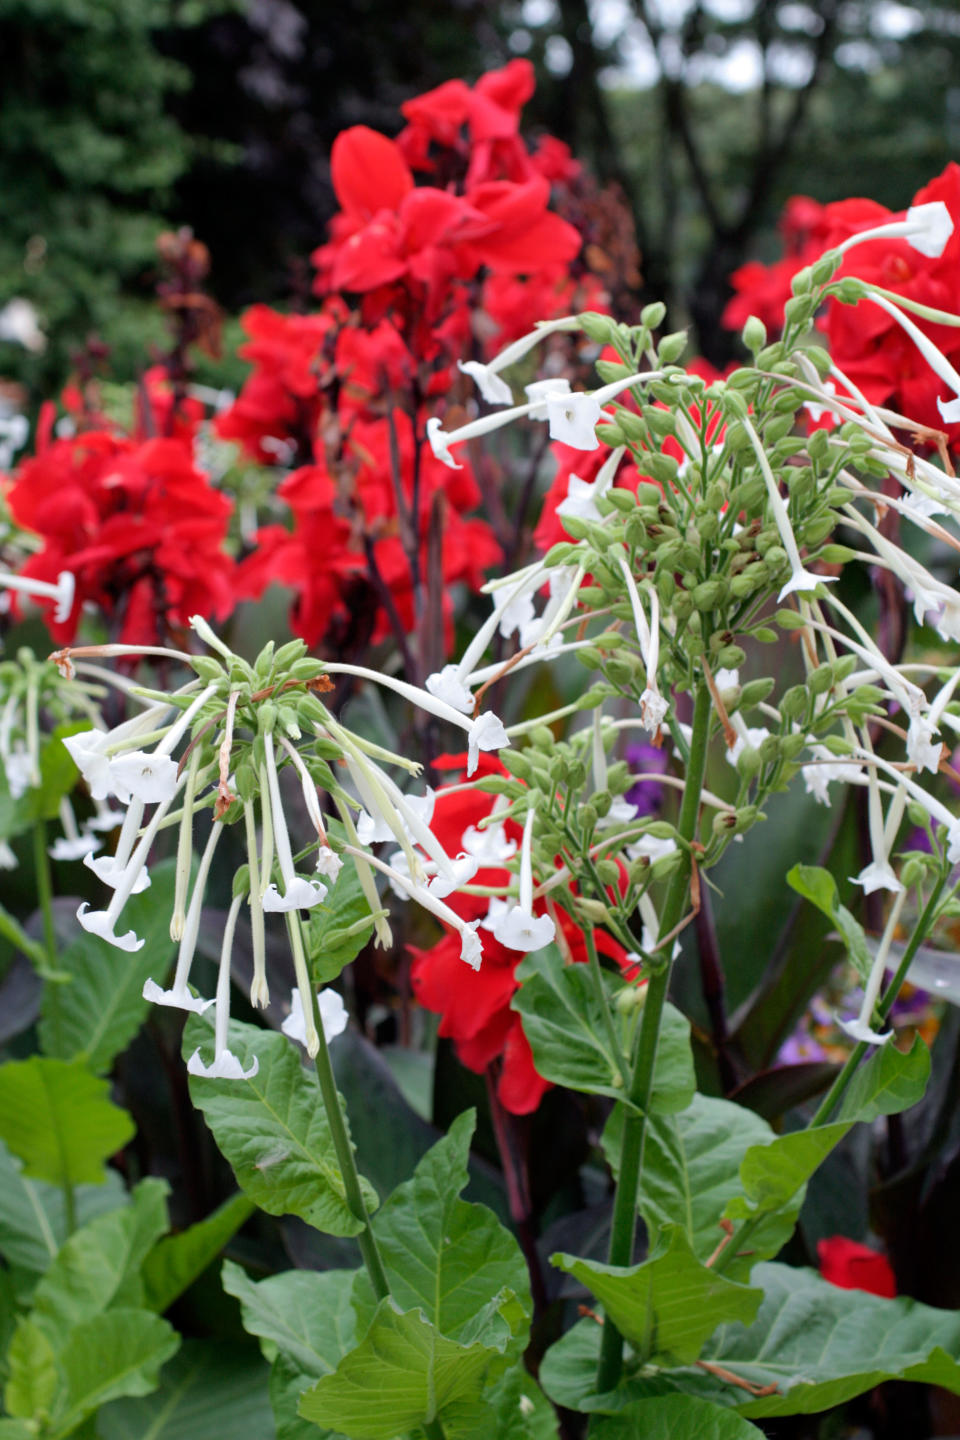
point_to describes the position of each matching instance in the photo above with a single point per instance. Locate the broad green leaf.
(208, 1391)
(287, 1384)
(117, 1353)
(515, 1408)
(100, 1264)
(32, 1221)
(32, 1372)
(773, 1174)
(177, 1260)
(563, 1021)
(96, 1016)
(402, 1373)
(273, 1129)
(820, 888)
(305, 1314)
(674, 1417)
(691, 1169)
(669, 1305)
(450, 1259)
(16, 1430)
(891, 1080)
(821, 1345)
(330, 947)
(60, 1121)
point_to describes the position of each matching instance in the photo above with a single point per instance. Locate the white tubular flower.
(184, 851)
(494, 390)
(934, 808)
(879, 874)
(464, 867)
(61, 593)
(653, 707)
(259, 989)
(103, 922)
(471, 950)
(825, 770)
(298, 893)
(517, 927)
(935, 358)
(486, 733)
(922, 750)
(582, 495)
(224, 1065)
(489, 845)
(112, 869)
(862, 1029)
(927, 228)
(452, 683)
(801, 580)
(329, 863)
(178, 995)
(145, 776)
(441, 440)
(447, 684)
(540, 391)
(104, 819)
(573, 419)
(333, 1016)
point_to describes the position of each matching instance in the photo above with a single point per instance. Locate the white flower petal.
(224, 1066)
(329, 863)
(301, 894)
(176, 999)
(494, 390)
(333, 1016)
(98, 922)
(149, 777)
(105, 868)
(934, 228)
(486, 733)
(519, 930)
(573, 419)
(447, 685)
(78, 849)
(858, 1030)
(471, 947)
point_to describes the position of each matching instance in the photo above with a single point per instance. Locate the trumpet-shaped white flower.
(329, 863)
(102, 923)
(517, 927)
(651, 847)
(926, 227)
(492, 386)
(540, 391)
(447, 684)
(224, 1065)
(817, 777)
(486, 733)
(143, 775)
(489, 845)
(861, 1028)
(298, 893)
(73, 844)
(573, 419)
(441, 440)
(61, 593)
(178, 995)
(333, 1016)
(879, 874)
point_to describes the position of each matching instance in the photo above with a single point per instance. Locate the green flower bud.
(801, 309)
(661, 423)
(610, 434)
(600, 328)
(621, 500)
(765, 635)
(671, 347)
(610, 370)
(794, 702)
(207, 668)
(245, 781)
(731, 657)
(608, 871)
(518, 764)
(749, 764)
(818, 446)
(820, 680)
(792, 745)
(708, 525)
(709, 594)
(241, 880)
(588, 817)
(635, 531)
(776, 557)
(288, 653)
(754, 335)
(734, 404)
(630, 1000)
(601, 801)
(559, 554)
(264, 661)
(789, 620)
(755, 691)
(776, 427)
(913, 871)
(593, 910)
(825, 269)
(622, 670)
(652, 316)
(266, 717)
(633, 426)
(816, 353)
(816, 531)
(306, 668)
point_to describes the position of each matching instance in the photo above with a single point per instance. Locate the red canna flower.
(851, 1266)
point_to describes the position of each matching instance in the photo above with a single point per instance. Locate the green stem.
(616, 1049)
(345, 1157)
(432, 1429)
(623, 1224)
(41, 866)
(920, 932)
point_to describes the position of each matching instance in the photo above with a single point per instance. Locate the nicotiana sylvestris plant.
(665, 595)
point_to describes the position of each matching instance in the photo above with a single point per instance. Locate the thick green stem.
(432, 1429)
(345, 1157)
(41, 866)
(920, 932)
(623, 1224)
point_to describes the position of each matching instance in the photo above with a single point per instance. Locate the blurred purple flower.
(800, 1049)
(646, 795)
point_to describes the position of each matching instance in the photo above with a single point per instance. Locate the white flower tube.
(927, 228)
(224, 1065)
(517, 927)
(298, 892)
(862, 1029)
(178, 995)
(800, 580)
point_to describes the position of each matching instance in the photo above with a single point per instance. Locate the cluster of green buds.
(218, 752)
